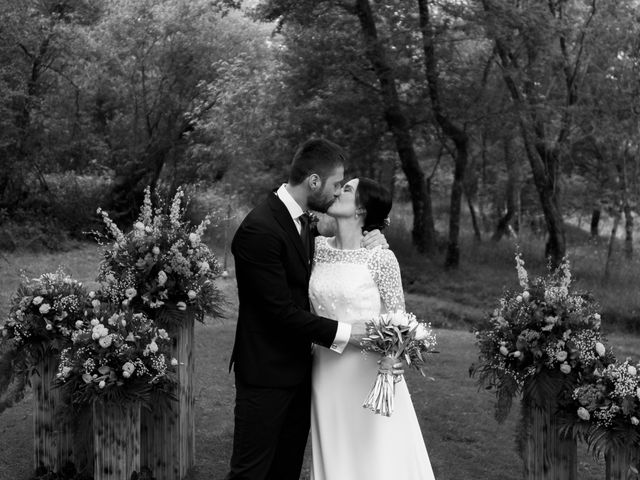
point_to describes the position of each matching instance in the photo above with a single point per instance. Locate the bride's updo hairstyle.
(376, 200)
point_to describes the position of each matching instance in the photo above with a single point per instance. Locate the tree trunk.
(450, 129)
(477, 235)
(612, 240)
(595, 222)
(399, 127)
(628, 228)
(502, 228)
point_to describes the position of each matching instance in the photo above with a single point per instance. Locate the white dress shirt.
(295, 210)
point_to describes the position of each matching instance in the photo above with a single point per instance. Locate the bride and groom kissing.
(303, 302)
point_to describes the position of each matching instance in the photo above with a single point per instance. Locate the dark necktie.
(304, 233)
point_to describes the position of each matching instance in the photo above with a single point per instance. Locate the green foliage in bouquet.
(539, 342)
(42, 316)
(117, 356)
(161, 266)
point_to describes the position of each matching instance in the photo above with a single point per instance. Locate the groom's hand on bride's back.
(374, 238)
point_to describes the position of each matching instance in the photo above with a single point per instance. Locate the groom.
(273, 249)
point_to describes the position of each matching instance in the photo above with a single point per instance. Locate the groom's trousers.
(271, 430)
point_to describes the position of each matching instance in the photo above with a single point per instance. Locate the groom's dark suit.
(272, 351)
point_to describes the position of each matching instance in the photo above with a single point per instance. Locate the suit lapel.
(283, 217)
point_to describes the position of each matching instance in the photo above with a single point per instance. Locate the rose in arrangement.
(116, 355)
(161, 264)
(396, 335)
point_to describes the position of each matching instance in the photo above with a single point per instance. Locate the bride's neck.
(348, 234)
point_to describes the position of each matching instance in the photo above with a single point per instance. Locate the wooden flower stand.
(168, 429)
(116, 435)
(547, 456)
(53, 438)
(619, 463)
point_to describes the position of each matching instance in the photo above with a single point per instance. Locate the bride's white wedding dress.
(348, 441)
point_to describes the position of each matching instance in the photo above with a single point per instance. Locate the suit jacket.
(275, 328)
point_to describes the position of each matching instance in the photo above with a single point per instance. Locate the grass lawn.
(463, 439)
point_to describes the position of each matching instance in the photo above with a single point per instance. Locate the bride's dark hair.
(376, 200)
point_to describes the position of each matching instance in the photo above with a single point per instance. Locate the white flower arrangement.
(162, 262)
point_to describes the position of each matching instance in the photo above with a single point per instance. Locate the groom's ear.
(314, 181)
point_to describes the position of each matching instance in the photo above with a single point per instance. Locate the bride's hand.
(393, 365)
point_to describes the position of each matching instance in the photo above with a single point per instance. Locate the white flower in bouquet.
(92, 294)
(526, 295)
(95, 322)
(130, 293)
(156, 250)
(127, 369)
(191, 294)
(162, 333)
(113, 320)
(48, 326)
(399, 318)
(504, 350)
(102, 384)
(565, 368)
(44, 308)
(105, 342)
(152, 347)
(632, 370)
(204, 267)
(181, 306)
(37, 300)
(95, 303)
(600, 350)
(561, 356)
(517, 354)
(194, 238)
(635, 421)
(174, 362)
(584, 414)
(87, 377)
(162, 278)
(139, 226)
(421, 332)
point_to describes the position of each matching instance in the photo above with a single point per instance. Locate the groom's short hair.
(317, 156)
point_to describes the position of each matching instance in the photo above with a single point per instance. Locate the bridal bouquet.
(161, 265)
(396, 336)
(539, 341)
(43, 312)
(116, 355)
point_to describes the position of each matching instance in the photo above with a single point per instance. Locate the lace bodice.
(354, 285)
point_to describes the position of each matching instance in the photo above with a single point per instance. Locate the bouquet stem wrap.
(380, 398)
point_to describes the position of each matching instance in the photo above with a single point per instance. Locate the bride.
(349, 284)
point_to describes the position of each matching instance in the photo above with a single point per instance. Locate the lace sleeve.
(386, 273)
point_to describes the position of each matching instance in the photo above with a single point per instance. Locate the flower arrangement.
(44, 311)
(395, 336)
(116, 355)
(539, 341)
(606, 412)
(161, 265)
